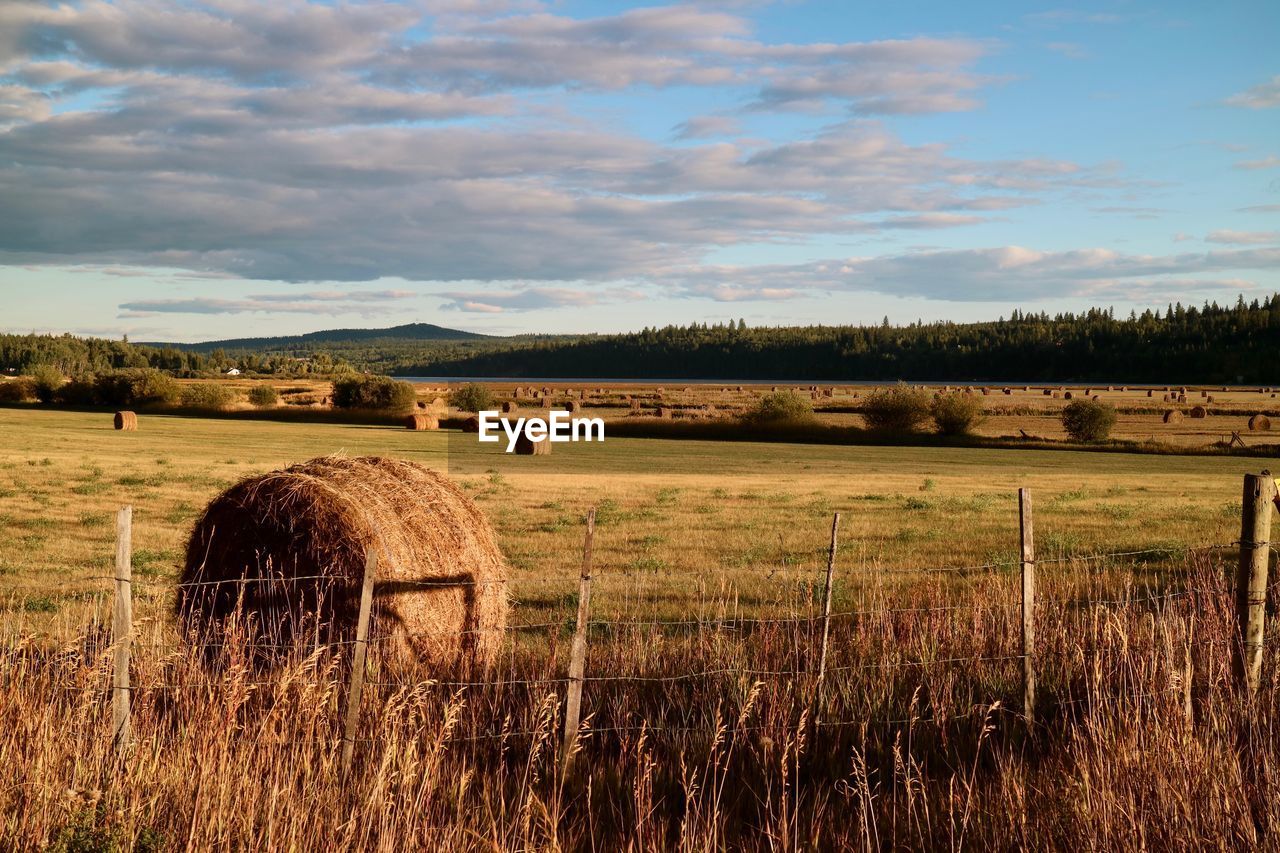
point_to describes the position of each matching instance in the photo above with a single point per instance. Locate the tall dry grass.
(699, 736)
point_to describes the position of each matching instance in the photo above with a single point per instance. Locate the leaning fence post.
(1251, 577)
(826, 612)
(358, 660)
(122, 629)
(1028, 606)
(578, 652)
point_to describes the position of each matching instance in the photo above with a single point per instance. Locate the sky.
(188, 171)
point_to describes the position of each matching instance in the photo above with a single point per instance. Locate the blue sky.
(189, 171)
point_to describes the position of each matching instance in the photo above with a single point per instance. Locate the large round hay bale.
(1172, 416)
(127, 421)
(471, 424)
(1259, 423)
(510, 406)
(527, 447)
(421, 421)
(441, 597)
(572, 407)
(1198, 412)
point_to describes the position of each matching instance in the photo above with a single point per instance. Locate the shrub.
(1088, 420)
(136, 386)
(956, 414)
(80, 391)
(472, 398)
(372, 392)
(899, 409)
(263, 395)
(20, 390)
(207, 395)
(46, 380)
(781, 407)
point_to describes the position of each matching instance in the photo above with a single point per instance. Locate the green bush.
(781, 407)
(46, 380)
(20, 390)
(472, 398)
(136, 386)
(956, 414)
(899, 409)
(207, 395)
(80, 391)
(263, 395)
(1088, 420)
(372, 392)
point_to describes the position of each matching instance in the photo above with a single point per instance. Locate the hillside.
(408, 333)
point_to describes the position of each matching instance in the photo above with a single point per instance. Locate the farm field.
(703, 725)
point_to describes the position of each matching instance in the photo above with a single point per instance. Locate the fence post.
(1251, 578)
(578, 652)
(122, 629)
(826, 613)
(358, 660)
(1028, 606)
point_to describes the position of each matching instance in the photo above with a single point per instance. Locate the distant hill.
(411, 332)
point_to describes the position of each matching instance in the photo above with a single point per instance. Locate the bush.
(781, 407)
(207, 395)
(899, 409)
(372, 392)
(46, 380)
(80, 391)
(20, 390)
(1088, 420)
(263, 395)
(472, 398)
(956, 414)
(136, 386)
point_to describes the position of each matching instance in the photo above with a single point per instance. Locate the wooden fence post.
(358, 660)
(826, 613)
(578, 652)
(1251, 577)
(1028, 606)
(122, 630)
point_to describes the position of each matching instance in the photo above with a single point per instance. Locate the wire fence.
(809, 672)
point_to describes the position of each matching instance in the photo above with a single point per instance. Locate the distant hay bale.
(1198, 412)
(519, 392)
(421, 421)
(441, 597)
(1208, 398)
(510, 406)
(127, 421)
(1204, 394)
(660, 391)
(573, 407)
(664, 413)
(1111, 387)
(1182, 398)
(1056, 395)
(1150, 393)
(1067, 395)
(471, 424)
(526, 446)
(1259, 423)
(438, 401)
(420, 405)
(740, 390)
(635, 405)
(1048, 393)
(1008, 391)
(1172, 416)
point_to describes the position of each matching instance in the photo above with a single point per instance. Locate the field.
(704, 729)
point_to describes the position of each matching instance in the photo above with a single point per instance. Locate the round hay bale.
(1067, 395)
(421, 421)
(1007, 391)
(1111, 387)
(127, 421)
(1172, 416)
(1150, 393)
(527, 447)
(1182, 398)
(442, 597)
(1209, 398)
(773, 389)
(573, 407)
(1048, 393)
(471, 424)
(438, 401)
(519, 392)
(635, 405)
(664, 413)
(1198, 412)
(1204, 394)
(1259, 423)
(1056, 395)
(510, 406)
(420, 405)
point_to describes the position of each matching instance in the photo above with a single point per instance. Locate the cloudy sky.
(195, 170)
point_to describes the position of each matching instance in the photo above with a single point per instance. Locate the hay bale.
(573, 407)
(1204, 394)
(665, 413)
(127, 421)
(519, 392)
(438, 401)
(442, 597)
(420, 405)
(510, 406)
(1066, 395)
(1056, 395)
(1172, 416)
(527, 447)
(635, 405)
(1209, 398)
(420, 421)
(1150, 393)
(1259, 423)
(1008, 392)
(471, 424)
(1198, 412)
(1182, 398)
(1048, 393)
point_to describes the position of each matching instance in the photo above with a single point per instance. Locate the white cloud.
(1248, 238)
(1260, 97)
(1269, 162)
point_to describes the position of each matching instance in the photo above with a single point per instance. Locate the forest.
(1209, 344)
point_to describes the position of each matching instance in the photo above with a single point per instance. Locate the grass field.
(698, 735)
